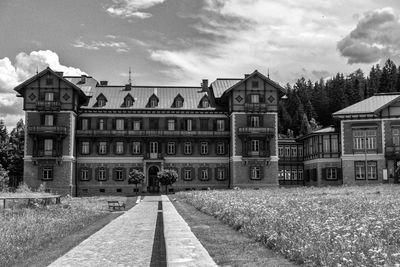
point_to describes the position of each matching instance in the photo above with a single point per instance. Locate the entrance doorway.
(154, 186)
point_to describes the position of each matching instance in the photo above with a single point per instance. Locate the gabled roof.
(21, 86)
(142, 94)
(370, 106)
(255, 73)
(325, 130)
(87, 87)
(219, 86)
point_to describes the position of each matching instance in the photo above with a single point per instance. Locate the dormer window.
(128, 101)
(204, 102)
(101, 101)
(153, 101)
(178, 101)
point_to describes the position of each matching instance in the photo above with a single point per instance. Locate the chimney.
(83, 79)
(128, 87)
(59, 73)
(246, 76)
(104, 83)
(204, 85)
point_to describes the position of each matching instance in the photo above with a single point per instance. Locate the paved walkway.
(128, 240)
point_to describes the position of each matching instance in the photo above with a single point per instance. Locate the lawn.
(25, 231)
(338, 226)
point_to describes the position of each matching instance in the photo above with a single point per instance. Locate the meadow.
(338, 226)
(25, 230)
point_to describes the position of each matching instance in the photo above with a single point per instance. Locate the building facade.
(84, 136)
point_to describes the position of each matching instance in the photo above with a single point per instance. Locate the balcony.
(392, 151)
(48, 105)
(47, 130)
(256, 131)
(46, 154)
(256, 154)
(151, 133)
(256, 107)
(153, 156)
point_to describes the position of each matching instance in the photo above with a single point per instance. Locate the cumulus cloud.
(120, 47)
(132, 8)
(24, 67)
(376, 36)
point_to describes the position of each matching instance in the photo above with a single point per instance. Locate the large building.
(84, 136)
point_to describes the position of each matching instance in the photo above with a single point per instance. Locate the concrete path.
(128, 240)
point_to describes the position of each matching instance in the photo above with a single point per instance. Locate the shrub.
(167, 177)
(136, 177)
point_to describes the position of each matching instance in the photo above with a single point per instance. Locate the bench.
(114, 204)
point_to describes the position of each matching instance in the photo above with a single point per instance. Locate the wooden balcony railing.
(61, 130)
(151, 133)
(256, 131)
(48, 105)
(256, 107)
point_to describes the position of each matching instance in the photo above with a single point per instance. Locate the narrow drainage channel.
(159, 256)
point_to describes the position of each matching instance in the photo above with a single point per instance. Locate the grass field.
(340, 226)
(27, 230)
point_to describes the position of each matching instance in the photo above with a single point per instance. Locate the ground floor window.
(119, 175)
(331, 174)
(187, 174)
(255, 173)
(368, 170)
(220, 175)
(204, 174)
(102, 174)
(84, 175)
(47, 173)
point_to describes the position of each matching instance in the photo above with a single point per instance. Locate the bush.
(167, 177)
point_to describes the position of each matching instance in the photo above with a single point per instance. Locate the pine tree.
(16, 163)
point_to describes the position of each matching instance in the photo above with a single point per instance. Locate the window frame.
(103, 147)
(136, 147)
(171, 124)
(220, 148)
(85, 148)
(48, 147)
(255, 173)
(47, 173)
(47, 97)
(255, 145)
(220, 125)
(119, 124)
(255, 99)
(86, 176)
(171, 148)
(204, 148)
(137, 125)
(204, 175)
(47, 119)
(187, 174)
(119, 147)
(119, 174)
(187, 148)
(331, 173)
(102, 174)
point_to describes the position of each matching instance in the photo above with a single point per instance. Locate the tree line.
(11, 154)
(309, 106)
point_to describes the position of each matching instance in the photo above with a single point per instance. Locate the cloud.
(236, 36)
(131, 8)
(120, 47)
(24, 67)
(318, 74)
(376, 36)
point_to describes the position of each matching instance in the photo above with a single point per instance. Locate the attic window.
(205, 103)
(153, 101)
(178, 101)
(49, 81)
(128, 101)
(101, 102)
(254, 84)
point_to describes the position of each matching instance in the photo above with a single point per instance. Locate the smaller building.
(291, 167)
(321, 157)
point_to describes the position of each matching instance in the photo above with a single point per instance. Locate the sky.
(175, 42)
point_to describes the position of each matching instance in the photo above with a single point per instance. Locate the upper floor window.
(255, 173)
(326, 144)
(119, 149)
(85, 124)
(153, 147)
(294, 151)
(255, 99)
(255, 145)
(187, 148)
(119, 124)
(396, 136)
(287, 151)
(220, 148)
(300, 174)
(49, 120)
(49, 96)
(189, 125)
(136, 125)
(171, 148)
(47, 173)
(280, 151)
(102, 124)
(204, 148)
(48, 147)
(364, 139)
(220, 125)
(254, 121)
(171, 125)
(300, 151)
(334, 144)
(103, 148)
(85, 148)
(136, 147)
(204, 124)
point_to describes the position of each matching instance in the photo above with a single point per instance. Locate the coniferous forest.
(309, 105)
